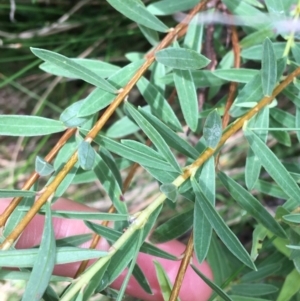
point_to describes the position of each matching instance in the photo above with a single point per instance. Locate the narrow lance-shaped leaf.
(44, 263)
(254, 289)
(28, 126)
(150, 34)
(136, 11)
(73, 67)
(158, 104)
(202, 227)
(98, 99)
(241, 75)
(171, 138)
(69, 115)
(187, 96)
(273, 166)
(290, 286)
(153, 135)
(136, 247)
(101, 68)
(132, 154)
(7, 193)
(212, 130)
(251, 205)
(27, 258)
(86, 155)
(169, 7)
(194, 35)
(269, 68)
(212, 285)
(223, 231)
(170, 190)
(253, 165)
(164, 281)
(42, 167)
(181, 58)
(109, 183)
(112, 235)
(174, 227)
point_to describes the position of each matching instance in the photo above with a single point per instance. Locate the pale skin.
(193, 288)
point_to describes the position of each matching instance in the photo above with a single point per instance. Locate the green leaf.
(164, 281)
(86, 155)
(282, 117)
(212, 130)
(171, 138)
(158, 104)
(257, 37)
(135, 247)
(223, 231)
(97, 280)
(69, 116)
(243, 298)
(212, 285)
(74, 68)
(251, 205)
(28, 126)
(112, 235)
(187, 96)
(44, 262)
(292, 218)
(140, 277)
(240, 75)
(24, 275)
(278, 7)
(273, 166)
(100, 68)
(98, 100)
(297, 123)
(252, 92)
(169, 7)
(121, 258)
(242, 8)
(132, 154)
(7, 193)
(262, 272)
(256, 52)
(181, 58)
(42, 167)
(202, 227)
(153, 135)
(87, 215)
(27, 258)
(74, 240)
(110, 184)
(194, 35)
(174, 227)
(121, 128)
(137, 12)
(150, 34)
(170, 190)
(254, 289)
(258, 236)
(268, 68)
(218, 260)
(253, 165)
(112, 165)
